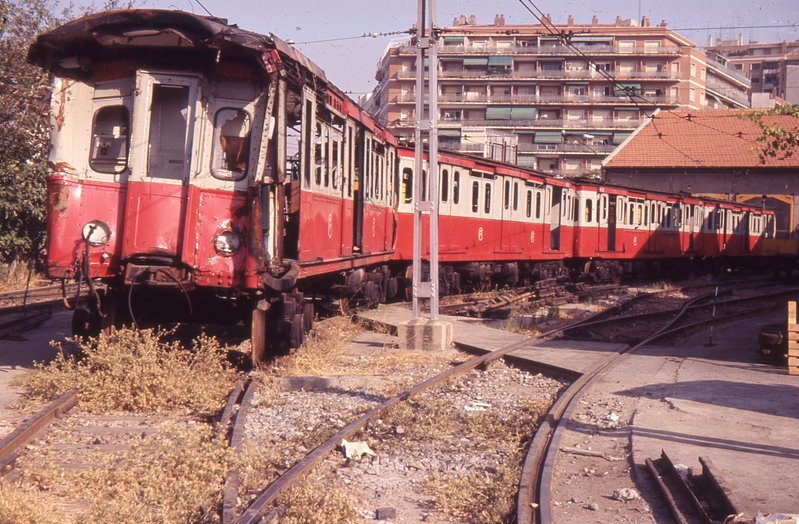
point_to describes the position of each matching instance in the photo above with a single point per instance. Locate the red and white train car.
(500, 223)
(205, 172)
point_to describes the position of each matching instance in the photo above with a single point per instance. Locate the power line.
(364, 35)
(565, 38)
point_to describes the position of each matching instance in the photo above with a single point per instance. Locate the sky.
(351, 63)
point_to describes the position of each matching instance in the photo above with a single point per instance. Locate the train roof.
(70, 49)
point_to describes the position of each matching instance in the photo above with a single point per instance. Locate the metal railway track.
(534, 502)
(529, 486)
(253, 513)
(12, 443)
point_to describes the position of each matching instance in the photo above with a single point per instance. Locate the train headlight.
(227, 243)
(96, 233)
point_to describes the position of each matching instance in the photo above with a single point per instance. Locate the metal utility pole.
(426, 125)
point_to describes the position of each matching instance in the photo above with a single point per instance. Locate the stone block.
(424, 334)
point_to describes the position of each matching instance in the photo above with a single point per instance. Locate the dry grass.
(137, 371)
(430, 417)
(323, 353)
(316, 500)
(14, 276)
(479, 497)
(175, 477)
(178, 478)
(25, 505)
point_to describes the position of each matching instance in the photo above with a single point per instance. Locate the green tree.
(776, 141)
(24, 128)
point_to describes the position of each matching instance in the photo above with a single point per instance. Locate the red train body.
(199, 171)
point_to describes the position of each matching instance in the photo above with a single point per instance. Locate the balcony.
(482, 98)
(546, 50)
(720, 68)
(583, 74)
(727, 91)
(546, 123)
(599, 149)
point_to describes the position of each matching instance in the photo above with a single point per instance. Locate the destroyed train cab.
(202, 172)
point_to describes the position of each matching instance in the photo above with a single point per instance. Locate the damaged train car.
(202, 172)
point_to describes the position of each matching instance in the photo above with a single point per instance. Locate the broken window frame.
(218, 170)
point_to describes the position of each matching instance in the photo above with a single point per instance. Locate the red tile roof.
(701, 139)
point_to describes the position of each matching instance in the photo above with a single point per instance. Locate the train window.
(529, 210)
(646, 214)
(507, 194)
(475, 196)
(231, 149)
(424, 185)
(538, 204)
(350, 160)
(444, 185)
(456, 187)
(407, 185)
(488, 197)
(589, 210)
(335, 160)
(515, 196)
(318, 158)
(639, 214)
(327, 154)
(110, 140)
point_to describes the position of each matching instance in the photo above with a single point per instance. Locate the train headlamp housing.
(227, 243)
(96, 233)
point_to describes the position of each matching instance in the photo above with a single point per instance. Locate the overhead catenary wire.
(356, 37)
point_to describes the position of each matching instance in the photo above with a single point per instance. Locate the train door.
(358, 181)
(510, 227)
(612, 218)
(161, 139)
(745, 230)
(555, 216)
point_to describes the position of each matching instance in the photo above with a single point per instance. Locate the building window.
(693, 69)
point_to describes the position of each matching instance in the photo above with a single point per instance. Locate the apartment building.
(567, 106)
(771, 68)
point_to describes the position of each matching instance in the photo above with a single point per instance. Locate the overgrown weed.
(322, 353)
(137, 371)
(485, 496)
(315, 500)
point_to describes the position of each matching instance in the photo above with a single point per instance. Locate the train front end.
(157, 135)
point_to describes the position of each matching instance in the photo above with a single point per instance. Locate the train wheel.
(307, 316)
(296, 331)
(258, 337)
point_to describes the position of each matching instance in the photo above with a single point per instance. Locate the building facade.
(567, 106)
(771, 68)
